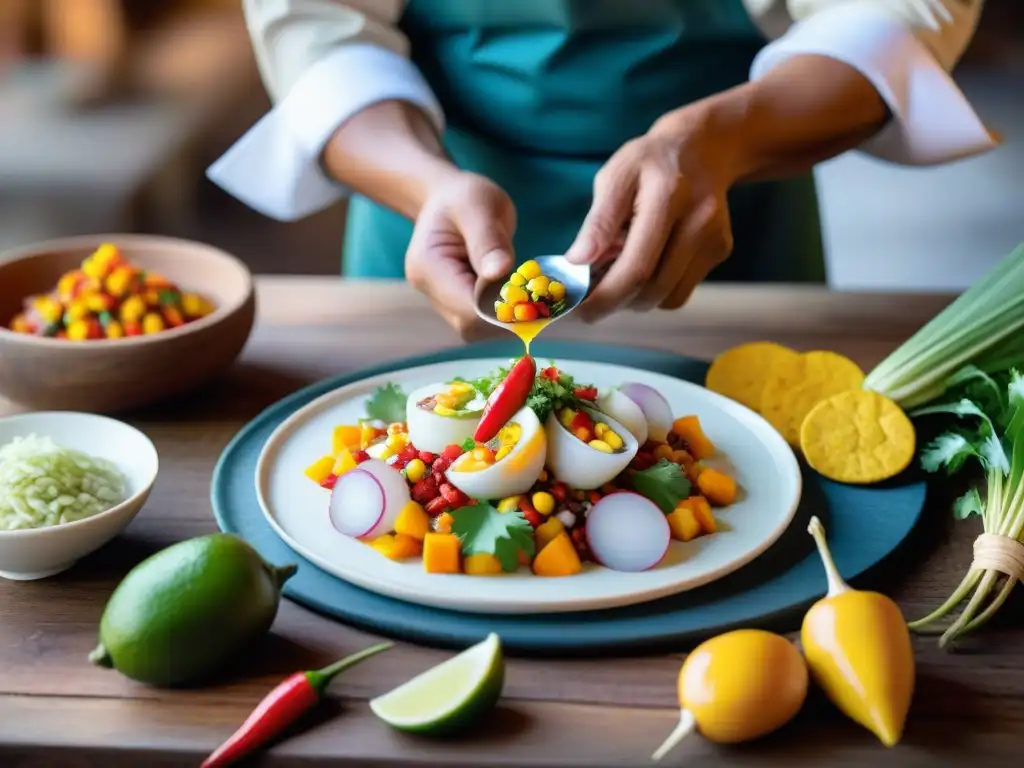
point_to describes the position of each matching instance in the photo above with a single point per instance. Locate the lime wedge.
(449, 697)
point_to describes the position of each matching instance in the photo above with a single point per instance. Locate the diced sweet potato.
(441, 553)
(320, 469)
(413, 521)
(558, 558)
(684, 524)
(717, 487)
(481, 564)
(689, 429)
(701, 511)
(546, 532)
(396, 546)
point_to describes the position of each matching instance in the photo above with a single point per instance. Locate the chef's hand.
(659, 217)
(464, 229)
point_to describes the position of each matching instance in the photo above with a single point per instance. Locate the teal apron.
(540, 93)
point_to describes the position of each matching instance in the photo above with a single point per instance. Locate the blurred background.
(110, 110)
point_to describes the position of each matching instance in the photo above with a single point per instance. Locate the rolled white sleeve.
(342, 68)
(907, 57)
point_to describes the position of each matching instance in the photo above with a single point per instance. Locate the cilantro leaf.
(387, 404)
(949, 450)
(549, 395)
(664, 484)
(485, 530)
(968, 504)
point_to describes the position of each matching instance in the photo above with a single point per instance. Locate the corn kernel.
(504, 451)
(510, 434)
(613, 440)
(517, 279)
(119, 281)
(556, 290)
(98, 302)
(152, 323)
(132, 309)
(195, 306)
(529, 269)
(509, 504)
(67, 284)
(49, 309)
(483, 455)
(461, 388)
(513, 294)
(78, 330)
(601, 429)
(543, 502)
(600, 445)
(441, 410)
(505, 313)
(565, 416)
(114, 330)
(538, 286)
(397, 442)
(415, 470)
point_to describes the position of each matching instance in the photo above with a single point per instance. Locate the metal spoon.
(575, 278)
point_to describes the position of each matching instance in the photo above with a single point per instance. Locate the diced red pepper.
(453, 495)
(542, 309)
(560, 491)
(435, 507)
(426, 457)
(360, 456)
(508, 398)
(451, 453)
(408, 453)
(440, 465)
(329, 481)
(551, 373)
(585, 393)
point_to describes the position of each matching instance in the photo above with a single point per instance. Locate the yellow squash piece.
(859, 651)
(717, 487)
(741, 373)
(690, 430)
(396, 546)
(320, 469)
(858, 436)
(796, 385)
(738, 687)
(546, 532)
(558, 558)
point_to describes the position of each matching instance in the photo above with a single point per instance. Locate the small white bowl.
(36, 553)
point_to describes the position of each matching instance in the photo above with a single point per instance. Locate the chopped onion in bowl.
(43, 484)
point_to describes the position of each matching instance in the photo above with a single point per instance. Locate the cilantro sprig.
(550, 391)
(387, 404)
(485, 530)
(664, 484)
(989, 435)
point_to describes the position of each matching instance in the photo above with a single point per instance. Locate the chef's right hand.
(464, 230)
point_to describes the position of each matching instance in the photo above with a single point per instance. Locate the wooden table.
(57, 710)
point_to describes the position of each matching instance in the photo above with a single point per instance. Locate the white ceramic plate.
(757, 456)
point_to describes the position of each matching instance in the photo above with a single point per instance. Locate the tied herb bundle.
(982, 328)
(989, 434)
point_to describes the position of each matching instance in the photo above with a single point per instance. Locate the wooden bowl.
(110, 375)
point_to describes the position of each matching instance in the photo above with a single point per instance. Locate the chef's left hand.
(659, 216)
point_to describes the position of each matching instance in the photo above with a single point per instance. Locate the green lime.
(449, 697)
(189, 611)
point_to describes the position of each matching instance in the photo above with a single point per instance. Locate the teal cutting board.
(865, 524)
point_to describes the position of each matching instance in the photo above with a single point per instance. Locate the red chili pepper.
(283, 706)
(508, 398)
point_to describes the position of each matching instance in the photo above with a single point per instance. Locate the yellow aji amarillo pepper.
(858, 649)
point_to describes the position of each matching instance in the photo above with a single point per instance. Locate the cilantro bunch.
(989, 436)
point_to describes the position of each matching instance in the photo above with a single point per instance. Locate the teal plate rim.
(864, 524)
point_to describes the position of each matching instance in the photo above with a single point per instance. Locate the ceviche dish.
(523, 469)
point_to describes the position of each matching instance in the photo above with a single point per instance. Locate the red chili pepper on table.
(295, 696)
(508, 398)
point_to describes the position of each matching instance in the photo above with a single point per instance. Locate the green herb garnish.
(982, 328)
(664, 484)
(485, 530)
(387, 404)
(468, 444)
(990, 435)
